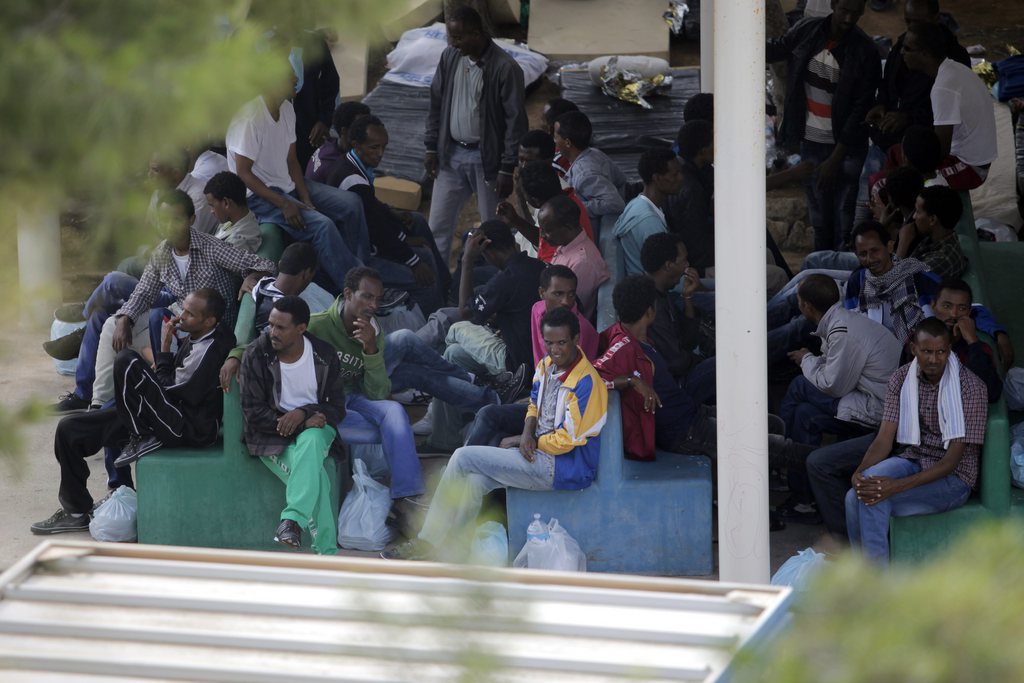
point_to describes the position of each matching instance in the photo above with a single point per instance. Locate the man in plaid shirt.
(186, 260)
(938, 472)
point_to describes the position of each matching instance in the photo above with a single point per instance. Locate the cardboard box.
(398, 193)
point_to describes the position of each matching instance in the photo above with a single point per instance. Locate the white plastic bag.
(798, 570)
(115, 520)
(361, 522)
(414, 60)
(560, 552)
(490, 546)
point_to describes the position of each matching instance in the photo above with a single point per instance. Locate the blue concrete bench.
(637, 517)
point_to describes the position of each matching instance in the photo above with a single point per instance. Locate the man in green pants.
(292, 394)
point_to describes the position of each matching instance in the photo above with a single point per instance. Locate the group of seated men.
(898, 373)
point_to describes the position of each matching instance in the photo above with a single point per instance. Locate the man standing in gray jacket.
(848, 380)
(477, 116)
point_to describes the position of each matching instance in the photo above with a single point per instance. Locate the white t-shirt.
(182, 263)
(960, 99)
(207, 165)
(254, 134)
(298, 380)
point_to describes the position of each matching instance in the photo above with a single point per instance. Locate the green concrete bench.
(217, 497)
(992, 274)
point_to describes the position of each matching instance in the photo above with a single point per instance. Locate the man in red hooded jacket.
(656, 411)
(654, 408)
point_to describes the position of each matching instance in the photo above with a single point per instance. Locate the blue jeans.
(386, 423)
(782, 308)
(473, 472)
(788, 292)
(868, 525)
(493, 423)
(411, 364)
(873, 163)
(788, 337)
(337, 228)
(420, 228)
(105, 300)
(832, 210)
(400, 276)
(802, 408)
(832, 260)
(699, 382)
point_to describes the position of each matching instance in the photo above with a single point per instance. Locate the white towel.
(950, 405)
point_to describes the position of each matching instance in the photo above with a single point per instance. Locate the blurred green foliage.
(953, 619)
(90, 89)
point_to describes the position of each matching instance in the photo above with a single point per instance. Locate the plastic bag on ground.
(115, 520)
(1017, 454)
(490, 546)
(797, 571)
(560, 552)
(361, 522)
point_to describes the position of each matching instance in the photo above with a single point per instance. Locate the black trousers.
(142, 407)
(829, 470)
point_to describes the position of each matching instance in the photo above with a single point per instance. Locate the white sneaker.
(423, 426)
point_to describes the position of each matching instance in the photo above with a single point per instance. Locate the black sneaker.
(491, 381)
(784, 452)
(392, 298)
(66, 347)
(515, 388)
(60, 522)
(99, 503)
(70, 403)
(137, 447)
(414, 549)
(406, 515)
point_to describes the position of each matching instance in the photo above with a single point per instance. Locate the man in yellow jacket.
(558, 448)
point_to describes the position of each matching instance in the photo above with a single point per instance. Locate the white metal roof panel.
(85, 612)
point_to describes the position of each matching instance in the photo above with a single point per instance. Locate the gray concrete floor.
(28, 480)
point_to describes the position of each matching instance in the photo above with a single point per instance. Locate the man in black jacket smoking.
(180, 404)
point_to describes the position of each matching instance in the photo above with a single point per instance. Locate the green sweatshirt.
(361, 373)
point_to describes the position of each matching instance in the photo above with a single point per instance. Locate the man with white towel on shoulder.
(925, 457)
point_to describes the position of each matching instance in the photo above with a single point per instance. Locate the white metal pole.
(740, 312)
(707, 45)
(39, 264)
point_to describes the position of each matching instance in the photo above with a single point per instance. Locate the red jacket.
(623, 356)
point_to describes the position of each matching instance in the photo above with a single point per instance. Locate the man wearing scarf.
(925, 457)
(894, 292)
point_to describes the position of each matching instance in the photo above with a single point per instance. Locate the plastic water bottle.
(538, 530)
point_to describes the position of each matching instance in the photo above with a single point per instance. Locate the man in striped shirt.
(186, 260)
(834, 71)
